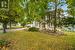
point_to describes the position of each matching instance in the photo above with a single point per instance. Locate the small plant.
(4, 43)
(33, 29)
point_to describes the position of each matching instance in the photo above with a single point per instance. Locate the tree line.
(45, 12)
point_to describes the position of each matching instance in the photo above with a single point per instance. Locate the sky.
(64, 7)
(63, 4)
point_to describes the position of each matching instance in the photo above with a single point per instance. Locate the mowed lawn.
(23, 40)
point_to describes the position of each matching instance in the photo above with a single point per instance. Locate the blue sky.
(64, 7)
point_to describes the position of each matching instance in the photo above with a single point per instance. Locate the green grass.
(23, 40)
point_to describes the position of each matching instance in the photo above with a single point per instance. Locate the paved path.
(18, 29)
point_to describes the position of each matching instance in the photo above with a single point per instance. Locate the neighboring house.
(34, 24)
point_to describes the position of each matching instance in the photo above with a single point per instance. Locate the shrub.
(33, 29)
(4, 43)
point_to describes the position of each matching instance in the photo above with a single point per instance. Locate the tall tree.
(71, 9)
(10, 15)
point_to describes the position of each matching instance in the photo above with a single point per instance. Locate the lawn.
(23, 40)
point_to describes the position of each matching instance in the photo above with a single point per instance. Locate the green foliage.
(23, 24)
(4, 43)
(71, 7)
(69, 21)
(34, 9)
(33, 29)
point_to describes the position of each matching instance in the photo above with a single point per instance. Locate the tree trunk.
(39, 24)
(55, 16)
(73, 23)
(49, 21)
(10, 24)
(44, 26)
(4, 27)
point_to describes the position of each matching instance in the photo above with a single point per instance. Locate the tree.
(10, 15)
(69, 21)
(36, 10)
(56, 4)
(4, 20)
(71, 9)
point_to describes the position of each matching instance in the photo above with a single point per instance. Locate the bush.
(33, 29)
(4, 43)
